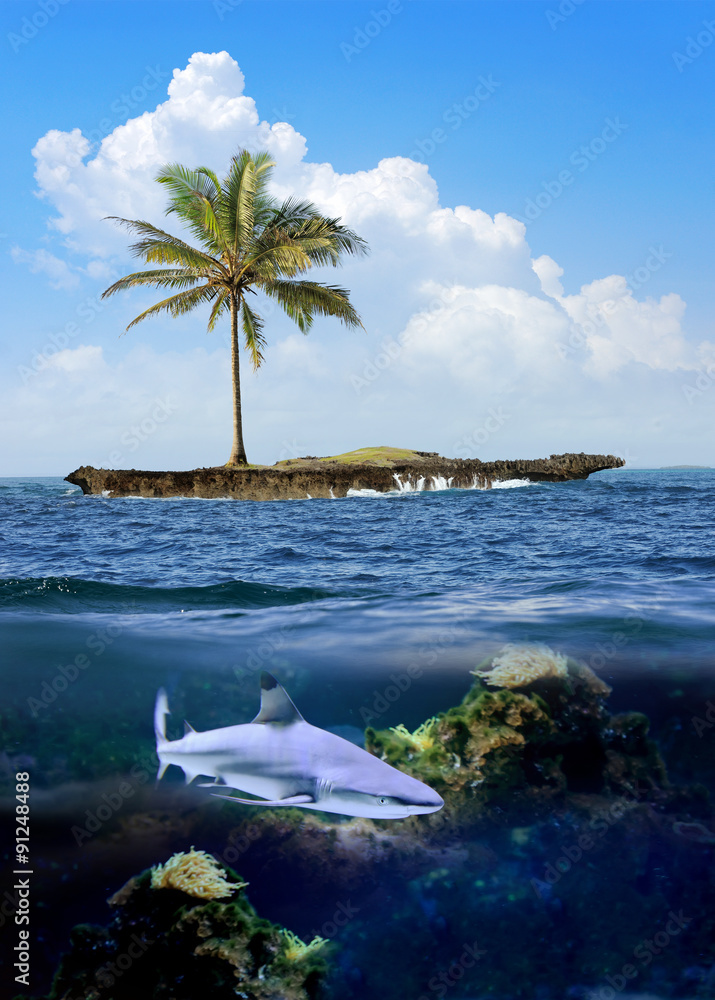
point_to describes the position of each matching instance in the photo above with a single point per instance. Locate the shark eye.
(382, 800)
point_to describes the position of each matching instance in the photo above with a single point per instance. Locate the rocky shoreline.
(312, 477)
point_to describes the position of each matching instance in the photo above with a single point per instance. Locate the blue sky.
(498, 100)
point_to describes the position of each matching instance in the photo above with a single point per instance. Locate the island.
(379, 469)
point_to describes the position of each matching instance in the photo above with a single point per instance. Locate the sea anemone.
(195, 873)
(516, 666)
(421, 738)
(296, 949)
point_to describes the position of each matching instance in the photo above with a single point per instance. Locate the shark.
(285, 761)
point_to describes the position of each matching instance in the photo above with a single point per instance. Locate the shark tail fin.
(161, 710)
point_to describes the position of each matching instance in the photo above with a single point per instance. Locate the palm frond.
(302, 219)
(150, 247)
(238, 195)
(253, 335)
(185, 185)
(302, 300)
(195, 195)
(273, 253)
(165, 278)
(179, 304)
(220, 306)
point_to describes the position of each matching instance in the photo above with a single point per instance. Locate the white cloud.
(473, 320)
(204, 119)
(42, 262)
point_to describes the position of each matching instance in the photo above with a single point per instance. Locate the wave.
(71, 595)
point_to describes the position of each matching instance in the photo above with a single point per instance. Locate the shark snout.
(431, 803)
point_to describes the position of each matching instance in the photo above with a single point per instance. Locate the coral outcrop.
(543, 732)
(167, 944)
(334, 477)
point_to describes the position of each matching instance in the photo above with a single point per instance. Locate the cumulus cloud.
(204, 119)
(42, 262)
(450, 296)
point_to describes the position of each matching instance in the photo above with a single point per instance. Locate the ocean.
(371, 611)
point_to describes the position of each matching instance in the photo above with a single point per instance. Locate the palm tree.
(245, 241)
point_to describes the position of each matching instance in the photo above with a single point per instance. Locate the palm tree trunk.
(238, 451)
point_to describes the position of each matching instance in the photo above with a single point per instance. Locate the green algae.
(549, 737)
(165, 943)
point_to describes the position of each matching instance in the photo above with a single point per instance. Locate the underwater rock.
(543, 733)
(166, 943)
(333, 477)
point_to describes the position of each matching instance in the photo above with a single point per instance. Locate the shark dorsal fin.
(188, 728)
(276, 706)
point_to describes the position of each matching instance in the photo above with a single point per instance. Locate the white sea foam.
(435, 484)
(509, 484)
(370, 493)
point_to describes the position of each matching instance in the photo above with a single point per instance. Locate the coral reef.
(544, 732)
(169, 946)
(562, 847)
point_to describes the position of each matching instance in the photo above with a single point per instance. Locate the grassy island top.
(382, 455)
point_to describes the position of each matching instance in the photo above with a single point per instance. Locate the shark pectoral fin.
(188, 728)
(292, 800)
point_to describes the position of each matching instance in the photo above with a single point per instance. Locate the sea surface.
(371, 610)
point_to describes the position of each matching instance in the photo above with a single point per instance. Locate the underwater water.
(574, 855)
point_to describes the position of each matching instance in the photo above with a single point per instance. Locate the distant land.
(380, 469)
(686, 467)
